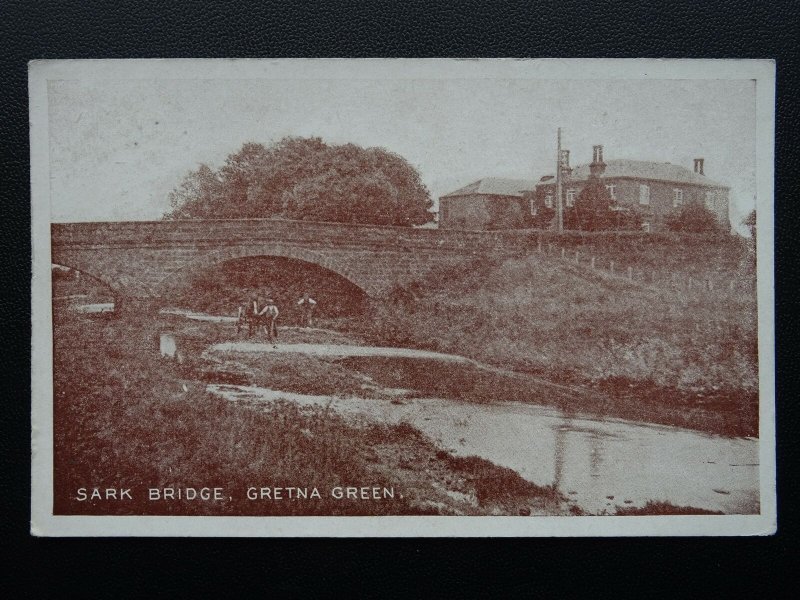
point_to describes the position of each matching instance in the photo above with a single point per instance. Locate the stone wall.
(148, 259)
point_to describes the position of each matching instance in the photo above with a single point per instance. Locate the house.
(489, 203)
(655, 189)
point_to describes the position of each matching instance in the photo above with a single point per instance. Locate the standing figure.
(248, 314)
(240, 317)
(268, 316)
(307, 304)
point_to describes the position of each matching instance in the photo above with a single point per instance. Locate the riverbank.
(125, 418)
(660, 350)
(351, 358)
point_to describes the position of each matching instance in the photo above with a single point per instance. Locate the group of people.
(258, 314)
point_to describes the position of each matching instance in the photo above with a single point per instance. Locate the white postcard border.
(44, 523)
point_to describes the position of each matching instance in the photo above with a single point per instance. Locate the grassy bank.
(667, 347)
(125, 418)
(692, 351)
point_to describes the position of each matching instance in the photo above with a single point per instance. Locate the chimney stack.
(598, 167)
(698, 166)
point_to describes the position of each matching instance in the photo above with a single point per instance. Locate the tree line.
(307, 179)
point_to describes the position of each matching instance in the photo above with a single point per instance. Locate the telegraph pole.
(559, 207)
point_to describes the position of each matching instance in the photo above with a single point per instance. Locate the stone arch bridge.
(147, 259)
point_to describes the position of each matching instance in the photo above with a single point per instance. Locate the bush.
(694, 218)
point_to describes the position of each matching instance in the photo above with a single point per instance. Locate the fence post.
(630, 272)
(611, 267)
(563, 252)
(577, 257)
(593, 262)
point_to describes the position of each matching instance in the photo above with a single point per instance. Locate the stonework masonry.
(147, 259)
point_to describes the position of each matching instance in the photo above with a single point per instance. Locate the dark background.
(404, 28)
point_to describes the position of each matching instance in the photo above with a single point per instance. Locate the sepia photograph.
(489, 297)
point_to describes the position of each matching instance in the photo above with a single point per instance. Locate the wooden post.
(630, 272)
(563, 252)
(559, 206)
(593, 262)
(611, 267)
(577, 257)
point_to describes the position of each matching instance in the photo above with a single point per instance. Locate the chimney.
(598, 167)
(698, 166)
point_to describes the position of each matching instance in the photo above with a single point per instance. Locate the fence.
(606, 267)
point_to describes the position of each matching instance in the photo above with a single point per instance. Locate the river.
(598, 463)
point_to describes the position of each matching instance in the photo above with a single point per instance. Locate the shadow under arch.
(71, 284)
(219, 285)
(187, 272)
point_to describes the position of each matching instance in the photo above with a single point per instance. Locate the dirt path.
(339, 350)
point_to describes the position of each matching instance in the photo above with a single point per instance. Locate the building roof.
(494, 186)
(642, 169)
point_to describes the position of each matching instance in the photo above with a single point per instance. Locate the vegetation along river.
(599, 463)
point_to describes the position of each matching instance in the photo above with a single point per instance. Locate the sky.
(118, 147)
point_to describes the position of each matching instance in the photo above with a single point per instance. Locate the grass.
(123, 417)
(713, 413)
(497, 485)
(657, 508)
(658, 352)
(689, 350)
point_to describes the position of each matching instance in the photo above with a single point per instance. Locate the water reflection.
(560, 446)
(595, 455)
(598, 463)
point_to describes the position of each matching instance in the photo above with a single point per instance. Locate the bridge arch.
(107, 283)
(206, 260)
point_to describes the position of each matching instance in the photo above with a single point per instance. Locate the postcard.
(390, 297)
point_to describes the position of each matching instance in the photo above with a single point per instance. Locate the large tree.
(306, 179)
(596, 210)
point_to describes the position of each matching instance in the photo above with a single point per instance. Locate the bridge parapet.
(146, 259)
(202, 232)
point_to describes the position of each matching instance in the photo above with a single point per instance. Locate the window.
(612, 191)
(548, 200)
(677, 198)
(710, 198)
(533, 208)
(644, 195)
(570, 197)
(646, 227)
